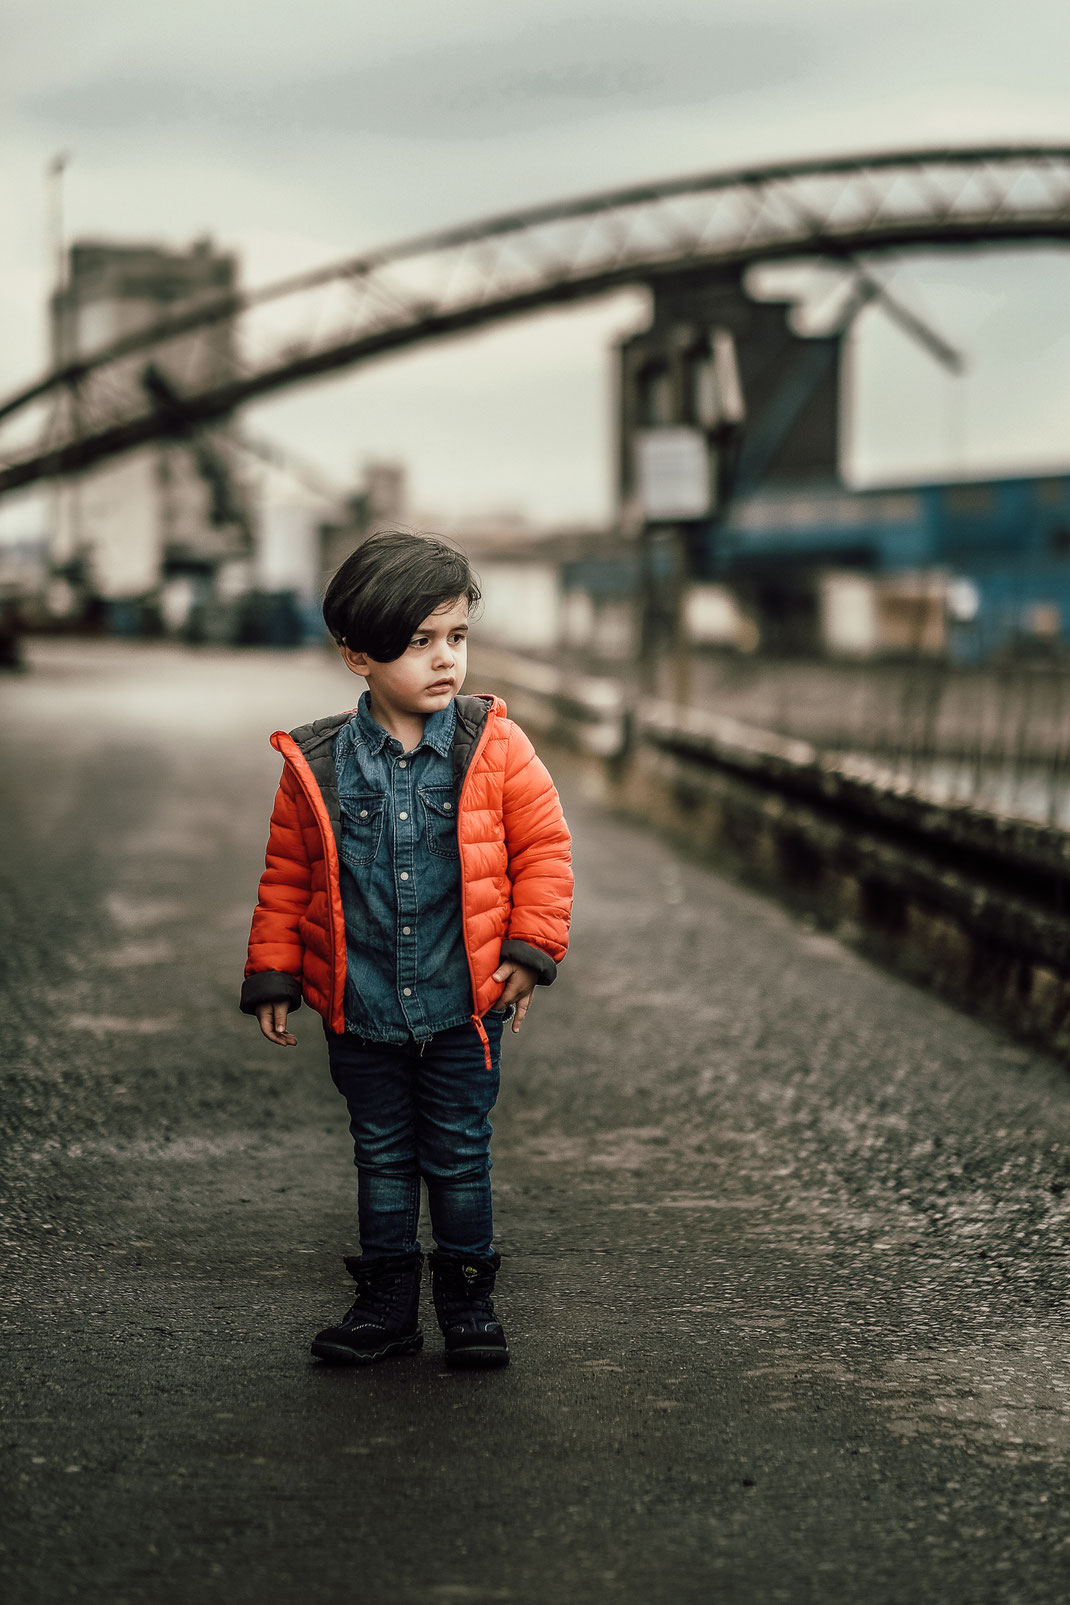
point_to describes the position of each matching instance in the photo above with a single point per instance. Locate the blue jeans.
(419, 1110)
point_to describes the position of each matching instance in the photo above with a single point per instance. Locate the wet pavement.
(785, 1240)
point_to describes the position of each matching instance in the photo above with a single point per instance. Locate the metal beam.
(458, 279)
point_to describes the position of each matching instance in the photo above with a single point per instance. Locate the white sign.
(672, 470)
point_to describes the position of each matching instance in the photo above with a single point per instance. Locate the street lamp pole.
(56, 249)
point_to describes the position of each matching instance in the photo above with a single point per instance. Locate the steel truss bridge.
(198, 367)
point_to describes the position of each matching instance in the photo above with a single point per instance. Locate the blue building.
(1000, 549)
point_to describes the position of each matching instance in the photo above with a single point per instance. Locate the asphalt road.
(785, 1240)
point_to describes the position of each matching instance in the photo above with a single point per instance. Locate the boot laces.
(470, 1295)
(375, 1292)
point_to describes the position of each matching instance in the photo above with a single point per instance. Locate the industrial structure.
(154, 528)
(746, 536)
(734, 523)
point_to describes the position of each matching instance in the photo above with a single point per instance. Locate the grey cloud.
(534, 78)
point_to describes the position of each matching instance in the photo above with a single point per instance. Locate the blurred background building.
(734, 525)
(141, 540)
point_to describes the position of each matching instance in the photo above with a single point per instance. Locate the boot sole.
(477, 1359)
(339, 1354)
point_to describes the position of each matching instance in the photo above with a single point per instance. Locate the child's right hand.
(272, 1017)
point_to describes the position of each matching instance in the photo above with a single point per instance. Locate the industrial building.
(148, 535)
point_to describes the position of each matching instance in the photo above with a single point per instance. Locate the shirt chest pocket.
(440, 820)
(362, 826)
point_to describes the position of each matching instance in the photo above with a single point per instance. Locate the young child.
(418, 888)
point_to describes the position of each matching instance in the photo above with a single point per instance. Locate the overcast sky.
(295, 133)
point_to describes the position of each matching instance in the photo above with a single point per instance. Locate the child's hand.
(272, 1017)
(520, 983)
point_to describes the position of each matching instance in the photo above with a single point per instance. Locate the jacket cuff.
(533, 958)
(269, 986)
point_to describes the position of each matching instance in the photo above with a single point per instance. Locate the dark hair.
(388, 586)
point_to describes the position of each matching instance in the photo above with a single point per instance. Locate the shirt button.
(406, 991)
(364, 813)
(403, 763)
(404, 874)
(406, 930)
(403, 815)
(447, 805)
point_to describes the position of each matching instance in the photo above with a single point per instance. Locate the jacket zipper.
(476, 753)
(314, 796)
(476, 1018)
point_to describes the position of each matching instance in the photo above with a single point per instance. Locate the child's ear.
(356, 662)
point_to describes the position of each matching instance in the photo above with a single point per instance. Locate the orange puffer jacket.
(515, 851)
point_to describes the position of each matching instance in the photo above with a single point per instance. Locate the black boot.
(461, 1285)
(385, 1317)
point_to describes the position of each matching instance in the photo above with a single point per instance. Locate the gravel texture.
(785, 1240)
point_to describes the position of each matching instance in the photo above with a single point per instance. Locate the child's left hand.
(520, 983)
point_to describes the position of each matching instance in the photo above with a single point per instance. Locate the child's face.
(428, 673)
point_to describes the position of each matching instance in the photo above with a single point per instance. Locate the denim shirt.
(406, 967)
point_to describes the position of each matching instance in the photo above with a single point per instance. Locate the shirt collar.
(438, 731)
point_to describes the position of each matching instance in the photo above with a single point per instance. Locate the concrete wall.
(288, 547)
(945, 922)
(975, 905)
(112, 518)
(522, 605)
